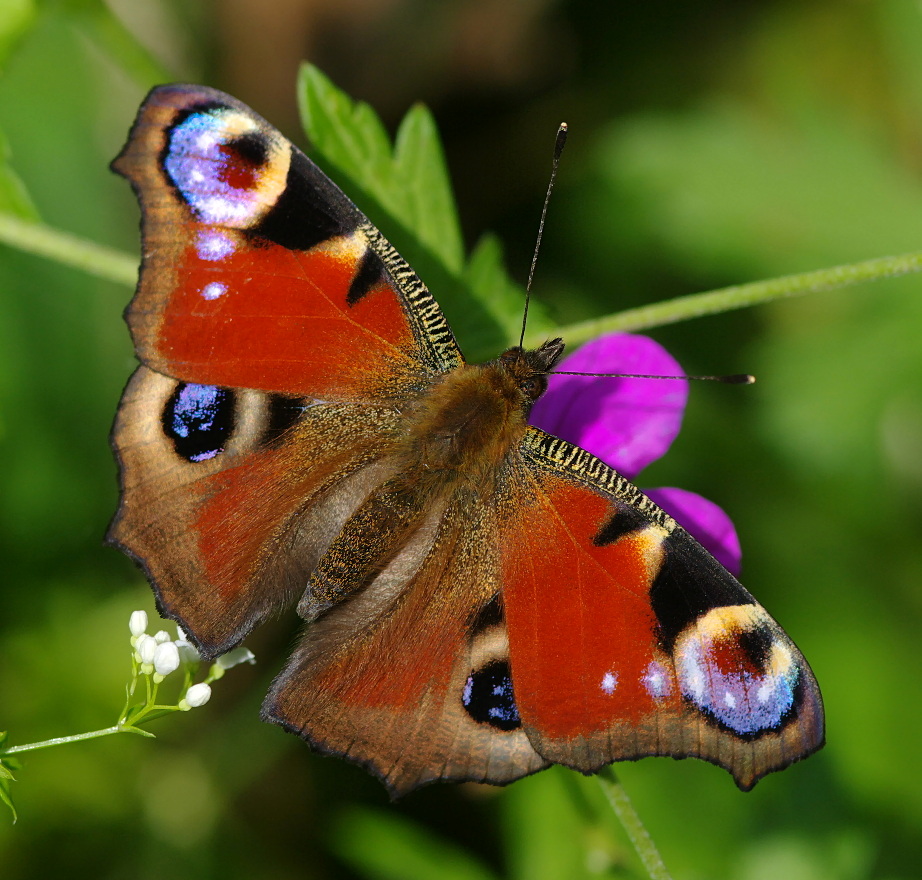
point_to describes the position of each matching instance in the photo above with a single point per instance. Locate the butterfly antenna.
(559, 144)
(735, 379)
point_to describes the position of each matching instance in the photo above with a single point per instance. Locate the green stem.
(61, 740)
(71, 250)
(120, 267)
(627, 816)
(684, 307)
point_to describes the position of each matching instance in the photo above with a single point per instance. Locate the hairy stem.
(627, 816)
(740, 295)
(71, 250)
(61, 740)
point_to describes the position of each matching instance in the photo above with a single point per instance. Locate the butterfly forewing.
(258, 271)
(626, 638)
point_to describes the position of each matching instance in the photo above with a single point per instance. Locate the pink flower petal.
(705, 521)
(625, 422)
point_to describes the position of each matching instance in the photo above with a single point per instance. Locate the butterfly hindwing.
(409, 677)
(258, 271)
(229, 496)
(627, 639)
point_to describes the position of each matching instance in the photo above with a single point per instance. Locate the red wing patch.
(582, 632)
(289, 326)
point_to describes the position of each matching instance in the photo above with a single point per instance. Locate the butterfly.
(481, 599)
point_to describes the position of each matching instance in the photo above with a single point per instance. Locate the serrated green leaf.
(423, 174)
(5, 793)
(486, 276)
(348, 134)
(407, 193)
(384, 846)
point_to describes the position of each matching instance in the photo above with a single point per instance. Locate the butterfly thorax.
(465, 426)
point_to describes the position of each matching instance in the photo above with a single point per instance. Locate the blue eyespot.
(199, 419)
(738, 671)
(488, 697)
(218, 158)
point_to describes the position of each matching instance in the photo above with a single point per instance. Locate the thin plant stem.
(71, 250)
(61, 740)
(114, 265)
(736, 297)
(630, 821)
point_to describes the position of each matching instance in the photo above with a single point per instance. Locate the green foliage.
(13, 196)
(16, 16)
(384, 846)
(411, 181)
(6, 777)
(406, 190)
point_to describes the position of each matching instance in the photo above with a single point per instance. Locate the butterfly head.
(530, 368)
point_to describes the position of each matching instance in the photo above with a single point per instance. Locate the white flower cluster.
(159, 655)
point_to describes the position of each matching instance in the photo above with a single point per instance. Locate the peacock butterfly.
(482, 599)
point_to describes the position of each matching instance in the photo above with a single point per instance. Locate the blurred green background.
(711, 143)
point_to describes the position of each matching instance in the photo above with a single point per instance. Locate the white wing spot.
(655, 681)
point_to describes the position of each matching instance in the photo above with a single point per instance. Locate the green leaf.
(16, 17)
(547, 834)
(6, 777)
(128, 728)
(407, 193)
(347, 134)
(385, 846)
(423, 175)
(112, 36)
(14, 198)
(486, 277)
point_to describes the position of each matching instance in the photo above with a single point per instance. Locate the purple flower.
(629, 423)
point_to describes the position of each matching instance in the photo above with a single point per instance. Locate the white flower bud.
(145, 648)
(137, 623)
(161, 637)
(197, 695)
(166, 659)
(235, 658)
